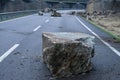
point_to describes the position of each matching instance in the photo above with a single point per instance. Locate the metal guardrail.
(12, 15)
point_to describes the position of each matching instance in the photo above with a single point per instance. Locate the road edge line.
(107, 44)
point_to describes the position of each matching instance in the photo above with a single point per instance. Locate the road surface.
(21, 48)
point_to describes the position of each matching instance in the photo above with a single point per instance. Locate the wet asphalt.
(25, 62)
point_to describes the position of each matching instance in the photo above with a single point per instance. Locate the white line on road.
(37, 28)
(46, 21)
(52, 17)
(8, 52)
(107, 44)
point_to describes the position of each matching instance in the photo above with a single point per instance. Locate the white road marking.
(15, 19)
(46, 21)
(52, 17)
(37, 28)
(107, 44)
(8, 52)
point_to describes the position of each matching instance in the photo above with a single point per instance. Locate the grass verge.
(100, 27)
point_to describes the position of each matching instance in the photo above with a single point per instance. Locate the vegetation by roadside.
(110, 25)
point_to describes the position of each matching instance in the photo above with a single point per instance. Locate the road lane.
(8, 39)
(25, 24)
(13, 31)
(25, 62)
(29, 51)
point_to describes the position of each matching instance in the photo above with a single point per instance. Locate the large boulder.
(56, 14)
(40, 13)
(72, 13)
(66, 53)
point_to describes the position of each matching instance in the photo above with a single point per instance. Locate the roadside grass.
(103, 29)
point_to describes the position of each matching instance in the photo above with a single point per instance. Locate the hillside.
(18, 5)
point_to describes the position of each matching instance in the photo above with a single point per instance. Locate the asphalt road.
(21, 48)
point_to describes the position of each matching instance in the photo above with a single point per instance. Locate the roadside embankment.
(109, 23)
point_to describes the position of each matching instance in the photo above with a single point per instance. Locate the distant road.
(67, 11)
(21, 48)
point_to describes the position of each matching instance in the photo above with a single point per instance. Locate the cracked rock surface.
(67, 53)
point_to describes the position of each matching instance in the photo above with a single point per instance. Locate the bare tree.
(2, 4)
